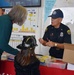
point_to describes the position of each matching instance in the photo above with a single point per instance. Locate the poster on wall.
(28, 28)
(30, 24)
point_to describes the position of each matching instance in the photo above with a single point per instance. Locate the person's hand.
(11, 57)
(41, 40)
(50, 44)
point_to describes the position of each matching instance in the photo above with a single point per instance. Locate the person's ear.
(60, 19)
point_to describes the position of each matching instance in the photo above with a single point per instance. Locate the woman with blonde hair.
(25, 61)
(17, 14)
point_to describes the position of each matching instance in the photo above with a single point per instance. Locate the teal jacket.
(5, 33)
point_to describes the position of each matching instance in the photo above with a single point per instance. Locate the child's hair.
(27, 54)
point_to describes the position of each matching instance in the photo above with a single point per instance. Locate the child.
(25, 61)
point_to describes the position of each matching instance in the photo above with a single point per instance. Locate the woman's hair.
(18, 14)
(26, 57)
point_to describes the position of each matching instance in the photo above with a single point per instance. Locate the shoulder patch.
(68, 32)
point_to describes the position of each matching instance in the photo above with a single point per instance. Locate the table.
(7, 68)
(54, 71)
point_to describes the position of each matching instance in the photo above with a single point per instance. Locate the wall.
(36, 23)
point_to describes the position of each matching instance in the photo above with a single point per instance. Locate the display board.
(31, 22)
(26, 3)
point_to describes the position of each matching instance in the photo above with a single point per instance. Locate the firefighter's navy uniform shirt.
(59, 35)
